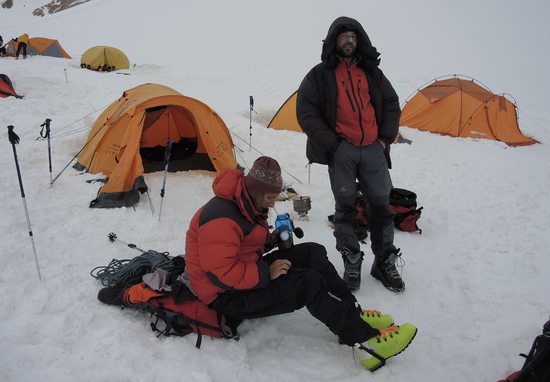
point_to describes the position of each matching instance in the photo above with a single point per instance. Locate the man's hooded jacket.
(317, 95)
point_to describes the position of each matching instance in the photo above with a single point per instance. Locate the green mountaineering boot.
(391, 341)
(376, 319)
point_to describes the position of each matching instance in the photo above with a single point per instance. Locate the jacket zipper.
(357, 103)
(359, 92)
(349, 97)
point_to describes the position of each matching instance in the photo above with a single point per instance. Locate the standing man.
(22, 42)
(227, 269)
(350, 113)
(2, 49)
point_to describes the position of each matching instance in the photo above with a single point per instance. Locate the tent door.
(171, 122)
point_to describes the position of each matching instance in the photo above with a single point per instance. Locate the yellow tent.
(461, 108)
(130, 137)
(104, 58)
(286, 119)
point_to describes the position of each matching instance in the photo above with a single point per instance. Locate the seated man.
(227, 268)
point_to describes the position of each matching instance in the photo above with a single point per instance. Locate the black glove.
(272, 240)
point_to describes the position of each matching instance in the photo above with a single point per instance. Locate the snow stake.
(167, 153)
(251, 110)
(14, 139)
(45, 133)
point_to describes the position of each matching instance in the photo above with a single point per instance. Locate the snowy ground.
(477, 277)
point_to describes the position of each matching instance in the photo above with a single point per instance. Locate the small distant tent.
(286, 118)
(105, 58)
(130, 137)
(39, 46)
(461, 107)
(6, 87)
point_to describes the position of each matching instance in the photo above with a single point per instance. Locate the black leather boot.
(353, 260)
(384, 270)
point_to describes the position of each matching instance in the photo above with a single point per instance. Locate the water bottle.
(284, 225)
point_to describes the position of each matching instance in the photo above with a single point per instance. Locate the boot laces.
(388, 332)
(369, 313)
(393, 262)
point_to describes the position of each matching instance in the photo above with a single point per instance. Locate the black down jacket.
(317, 95)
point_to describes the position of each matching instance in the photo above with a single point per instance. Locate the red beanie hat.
(264, 177)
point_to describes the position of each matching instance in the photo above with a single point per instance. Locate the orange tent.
(39, 46)
(462, 108)
(130, 137)
(6, 87)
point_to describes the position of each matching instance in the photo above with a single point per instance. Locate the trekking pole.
(112, 238)
(45, 133)
(251, 110)
(166, 161)
(14, 139)
(66, 78)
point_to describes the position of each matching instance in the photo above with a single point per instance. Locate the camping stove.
(302, 204)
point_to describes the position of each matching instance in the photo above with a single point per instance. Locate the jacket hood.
(230, 185)
(365, 50)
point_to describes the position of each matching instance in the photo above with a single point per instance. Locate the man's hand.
(278, 268)
(272, 240)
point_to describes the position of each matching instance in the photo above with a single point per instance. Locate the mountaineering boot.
(353, 260)
(376, 319)
(383, 269)
(391, 341)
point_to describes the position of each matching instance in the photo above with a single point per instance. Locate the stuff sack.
(537, 363)
(403, 205)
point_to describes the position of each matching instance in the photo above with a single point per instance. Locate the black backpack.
(537, 363)
(403, 204)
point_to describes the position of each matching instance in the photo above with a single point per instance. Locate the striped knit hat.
(264, 177)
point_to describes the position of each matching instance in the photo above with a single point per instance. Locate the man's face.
(346, 44)
(265, 201)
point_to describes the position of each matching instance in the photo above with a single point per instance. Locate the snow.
(477, 277)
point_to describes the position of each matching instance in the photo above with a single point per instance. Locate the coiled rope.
(120, 272)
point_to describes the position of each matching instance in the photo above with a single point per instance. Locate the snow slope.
(477, 277)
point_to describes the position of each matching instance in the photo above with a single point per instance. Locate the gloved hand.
(272, 240)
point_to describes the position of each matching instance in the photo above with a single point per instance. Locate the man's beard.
(342, 53)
